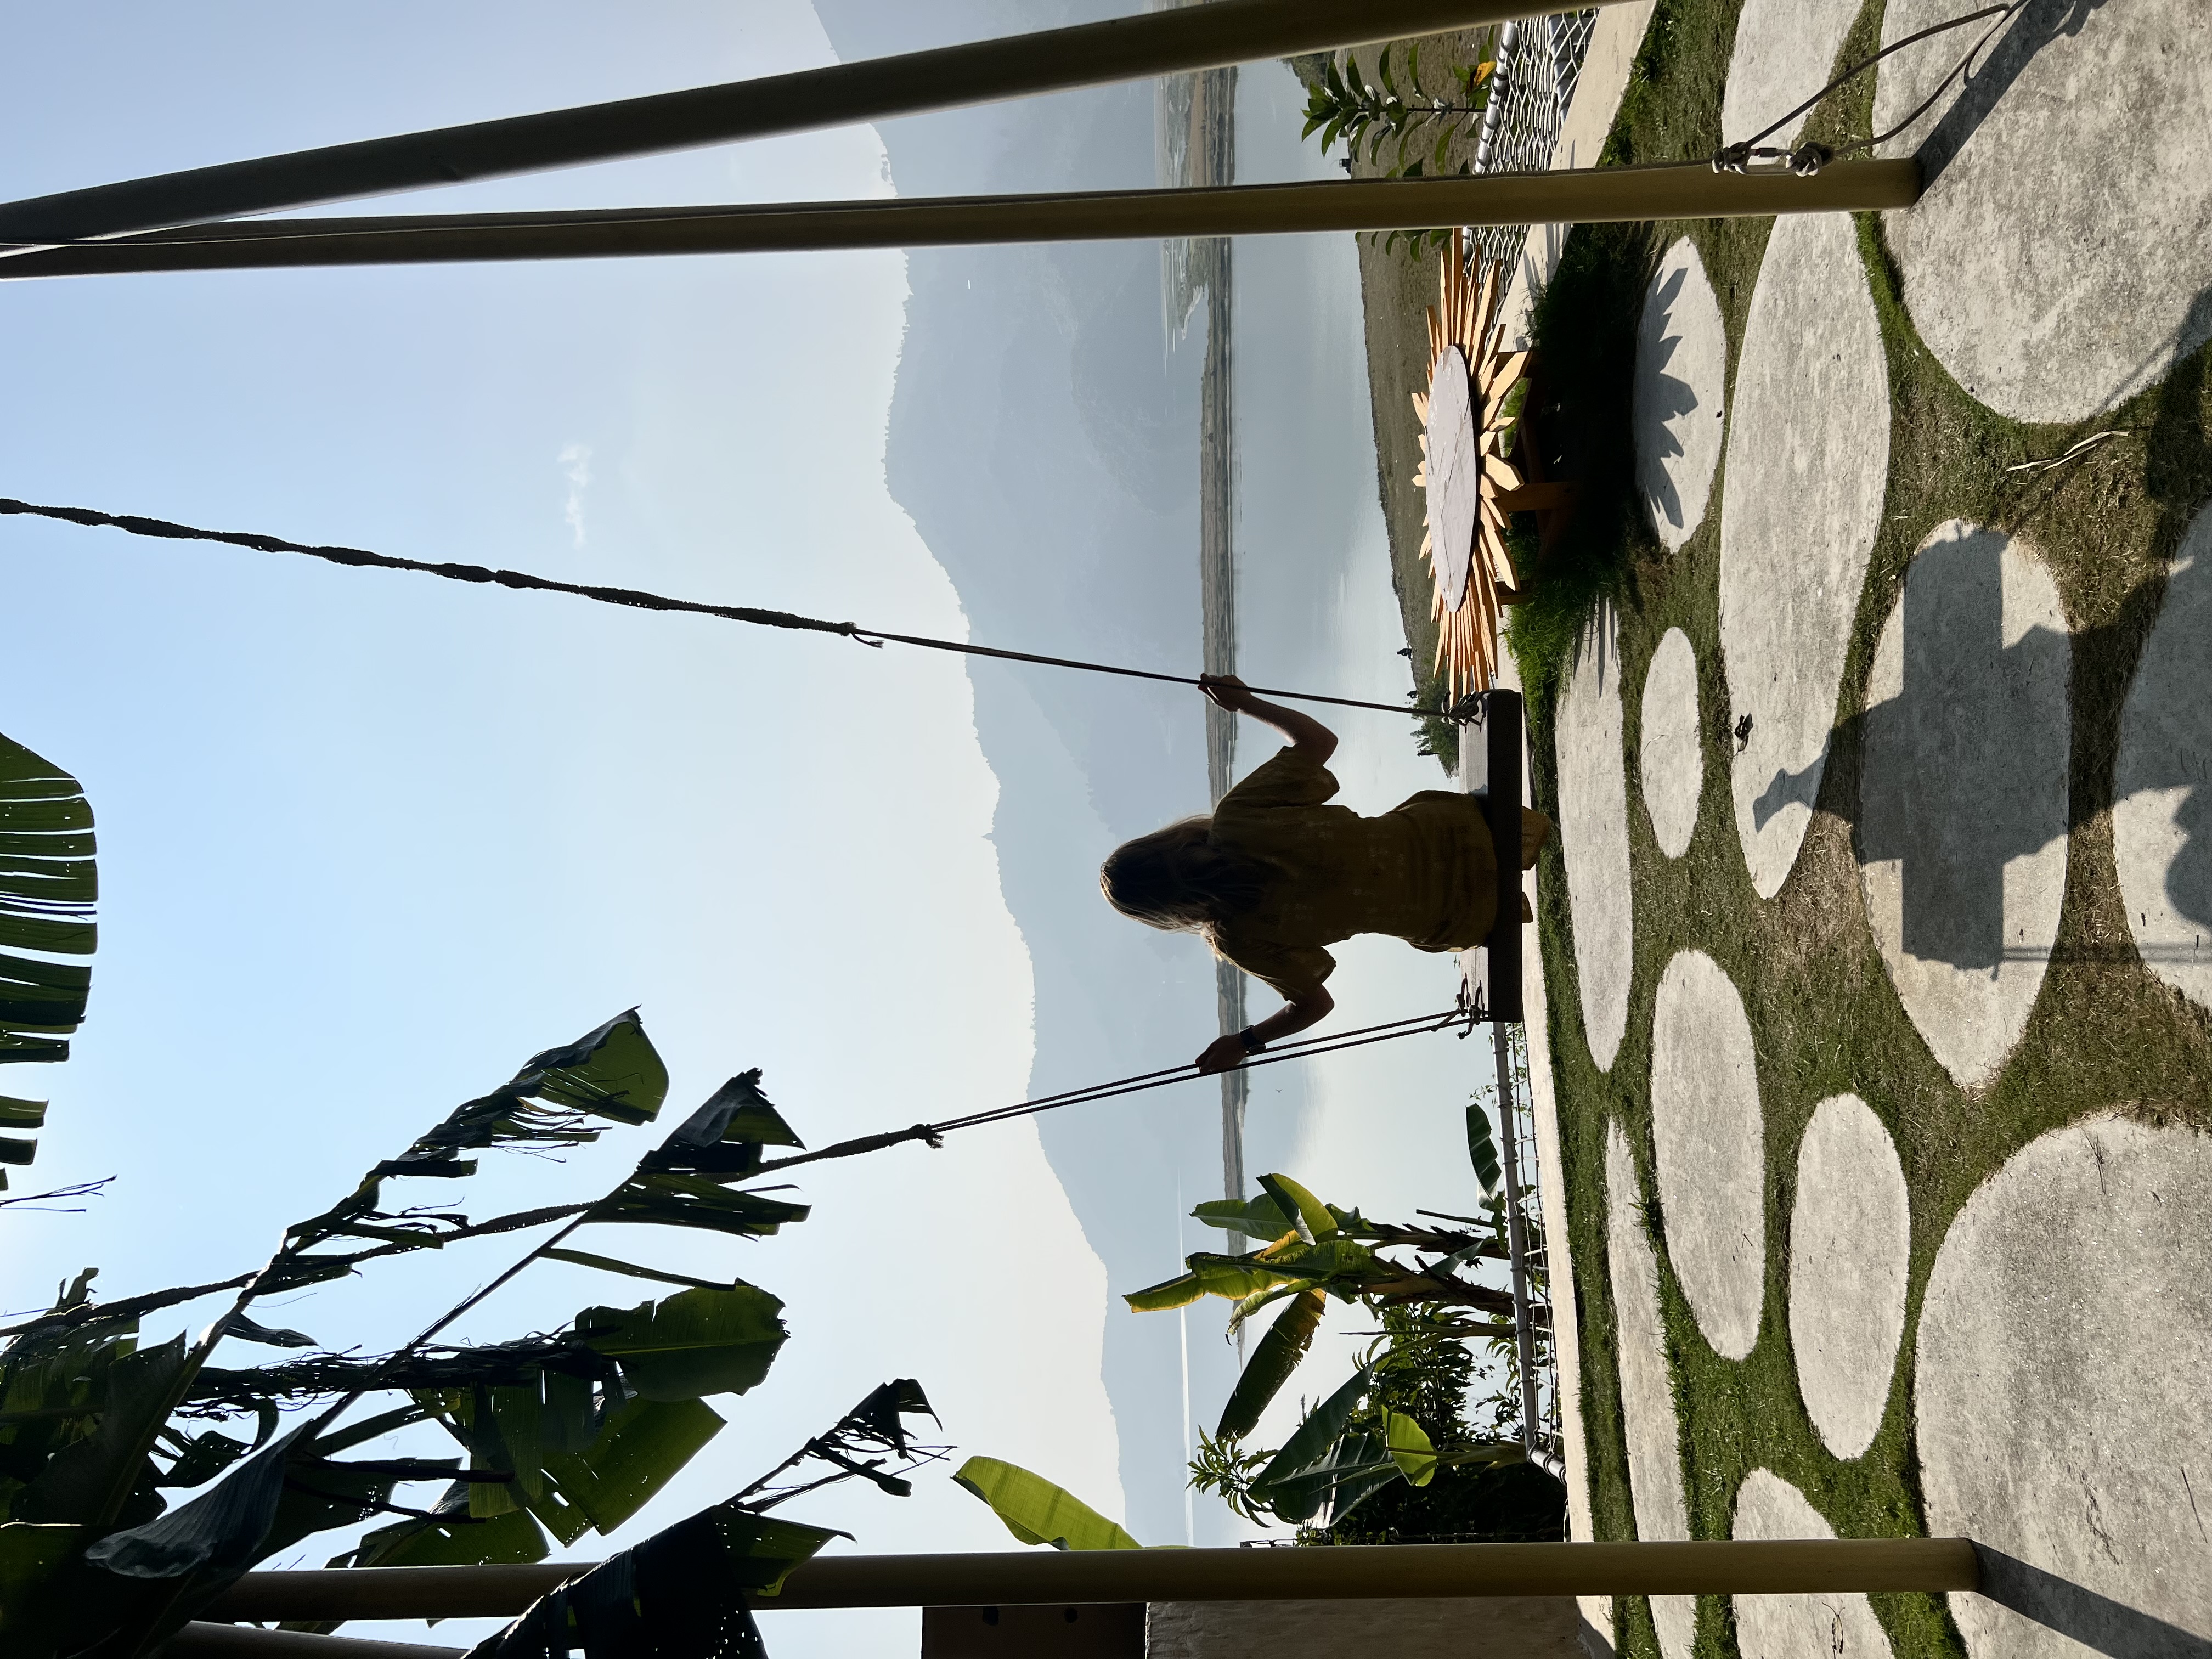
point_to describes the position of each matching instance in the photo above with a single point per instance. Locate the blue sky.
(367, 841)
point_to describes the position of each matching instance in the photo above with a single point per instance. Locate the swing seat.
(1492, 968)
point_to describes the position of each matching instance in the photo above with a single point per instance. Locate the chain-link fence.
(1539, 61)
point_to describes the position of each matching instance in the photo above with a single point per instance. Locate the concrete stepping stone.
(1672, 757)
(1785, 51)
(1851, 1235)
(1709, 1140)
(1808, 461)
(1593, 835)
(2162, 780)
(1963, 798)
(2057, 262)
(1681, 383)
(2060, 1385)
(1647, 1389)
(1836, 1624)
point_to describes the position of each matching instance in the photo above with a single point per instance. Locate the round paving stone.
(1785, 51)
(1833, 1625)
(2060, 1386)
(1647, 1389)
(1593, 835)
(1808, 460)
(1851, 1232)
(2058, 260)
(2162, 782)
(1681, 380)
(1963, 801)
(1673, 758)
(1707, 1133)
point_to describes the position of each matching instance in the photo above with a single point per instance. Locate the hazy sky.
(368, 841)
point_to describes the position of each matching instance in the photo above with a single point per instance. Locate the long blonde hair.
(1178, 878)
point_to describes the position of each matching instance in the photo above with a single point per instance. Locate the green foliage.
(693, 1343)
(48, 885)
(562, 1433)
(1481, 1146)
(682, 1593)
(1397, 1420)
(1272, 1360)
(1037, 1511)
(1342, 105)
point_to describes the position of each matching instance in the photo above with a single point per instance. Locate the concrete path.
(1711, 1142)
(1829, 1627)
(1808, 461)
(2064, 1353)
(1671, 755)
(1850, 1233)
(1647, 1387)
(2162, 782)
(1681, 383)
(1594, 835)
(2048, 266)
(1963, 802)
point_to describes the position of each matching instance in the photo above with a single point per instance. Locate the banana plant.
(1350, 1445)
(49, 883)
(565, 1433)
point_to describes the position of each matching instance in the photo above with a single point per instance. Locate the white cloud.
(576, 467)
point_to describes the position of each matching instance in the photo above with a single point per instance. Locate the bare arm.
(1306, 734)
(1226, 1053)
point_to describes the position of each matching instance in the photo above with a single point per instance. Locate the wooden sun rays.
(1471, 485)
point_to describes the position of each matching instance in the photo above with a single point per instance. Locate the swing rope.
(1301, 1048)
(1467, 709)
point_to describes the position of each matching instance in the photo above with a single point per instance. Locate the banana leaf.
(1274, 1358)
(638, 1449)
(452, 1540)
(682, 1593)
(1232, 1276)
(1309, 1444)
(1037, 1512)
(693, 1343)
(30, 1554)
(48, 886)
(1410, 1448)
(672, 1198)
(1254, 1217)
(1481, 1148)
(1316, 1222)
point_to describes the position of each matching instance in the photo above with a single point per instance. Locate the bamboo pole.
(1013, 66)
(1007, 1578)
(1581, 197)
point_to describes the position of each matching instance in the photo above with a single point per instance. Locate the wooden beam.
(1581, 197)
(1090, 54)
(1012, 1578)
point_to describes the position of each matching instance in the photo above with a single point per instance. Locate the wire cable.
(163, 529)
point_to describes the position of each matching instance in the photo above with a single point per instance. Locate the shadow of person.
(1954, 786)
(1953, 774)
(2036, 25)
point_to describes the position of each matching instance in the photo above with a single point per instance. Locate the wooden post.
(1575, 197)
(1009, 1577)
(1013, 66)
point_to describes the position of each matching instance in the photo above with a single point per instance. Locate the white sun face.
(1471, 485)
(1454, 476)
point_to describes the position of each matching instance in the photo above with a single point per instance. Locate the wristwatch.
(1249, 1036)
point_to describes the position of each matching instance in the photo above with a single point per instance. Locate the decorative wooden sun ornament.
(1471, 485)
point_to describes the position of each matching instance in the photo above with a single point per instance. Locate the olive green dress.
(1423, 872)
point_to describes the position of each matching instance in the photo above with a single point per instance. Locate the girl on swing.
(1274, 875)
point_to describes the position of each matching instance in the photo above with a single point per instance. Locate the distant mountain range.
(1045, 437)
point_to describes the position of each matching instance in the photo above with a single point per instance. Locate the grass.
(2105, 1034)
